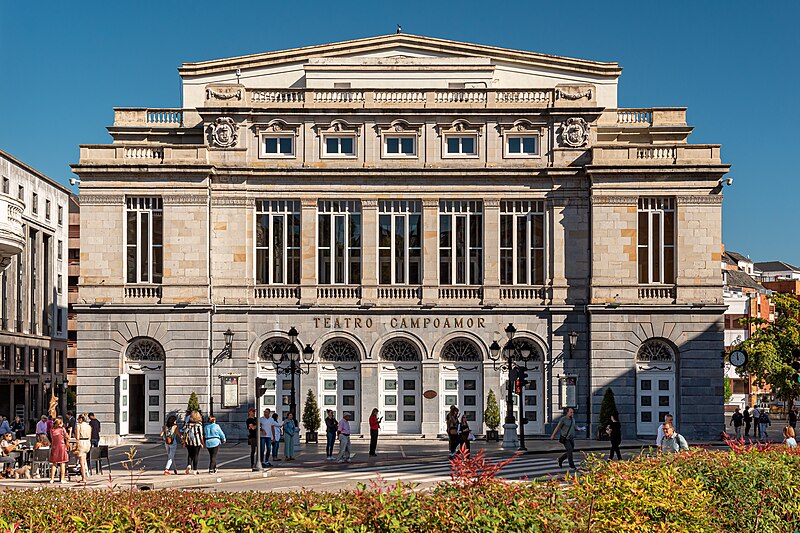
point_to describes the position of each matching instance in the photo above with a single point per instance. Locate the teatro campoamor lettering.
(400, 322)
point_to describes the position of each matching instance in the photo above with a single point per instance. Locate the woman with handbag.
(452, 430)
(59, 456)
(170, 435)
(289, 431)
(193, 441)
(465, 435)
(83, 435)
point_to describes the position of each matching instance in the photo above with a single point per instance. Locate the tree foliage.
(728, 390)
(607, 407)
(769, 348)
(491, 416)
(311, 417)
(194, 402)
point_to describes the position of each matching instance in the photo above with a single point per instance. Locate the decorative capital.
(308, 202)
(430, 202)
(369, 204)
(614, 200)
(574, 132)
(493, 203)
(231, 201)
(709, 199)
(102, 199)
(223, 132)
(185, 199)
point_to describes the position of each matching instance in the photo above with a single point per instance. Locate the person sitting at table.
(42, 441)
(7, 445)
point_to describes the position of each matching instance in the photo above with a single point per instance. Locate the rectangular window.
(33, 361)
(460, 242)
(33, 287)
(60, 215)
(21, 193)
(399, 242)
(35, 203)
(277, 146)
(656, 240)
(19, 359)
(47, 209)
(144, 238)
(339, 146)
(278, 242)
(400, 146)
(522, 259)
(461, 145)
(20, 291)
(60, 251)
(339, 242)
(5, 357)
(6, 185)
(4, 301)
(522, 145)
(60, 283)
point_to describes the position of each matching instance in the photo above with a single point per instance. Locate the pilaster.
(308, 237)
(491, 251)
(430, 254)
(369, 247)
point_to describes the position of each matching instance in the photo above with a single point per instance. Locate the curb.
(201, 480)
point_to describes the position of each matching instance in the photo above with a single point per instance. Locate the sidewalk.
(234, 461)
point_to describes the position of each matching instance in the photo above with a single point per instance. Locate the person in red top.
(374, 426)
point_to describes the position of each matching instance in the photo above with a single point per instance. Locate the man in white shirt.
(344, 439)
(266, 437)
(660, 435)
(275, 426)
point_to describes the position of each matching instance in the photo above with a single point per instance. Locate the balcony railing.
(657, 292)
(400, 293)
(523, 294)
(458, 293)
(12, 238)
(338, 293)
(143, 292)
(680, 154)
(278, 293)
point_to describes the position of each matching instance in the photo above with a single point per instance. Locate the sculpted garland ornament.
(223, 132)
(575, 132)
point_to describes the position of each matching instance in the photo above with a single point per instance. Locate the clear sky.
(734, 64)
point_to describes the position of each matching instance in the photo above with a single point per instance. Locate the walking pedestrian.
(83, 435)
(59, 456)
(344, 439)
(374, 426)
(18, 427)
(793, 417)
(465, 435)
(566, 436)
(252, 435)
(736, 421)
(69, 424)
(672, 442)
(193, 441)
(763, 422)
(94, 423)
(756, 422)
(614, 431)
(748, 419)
(277, 433)
(169, 434)
(452, 430)
(660, 434)
(331, 428)
(789, 437)
(289, 431)
(265, 427)
(213, 437)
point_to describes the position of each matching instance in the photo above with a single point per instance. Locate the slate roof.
(739, 278)
(775, 266)
(736, 256)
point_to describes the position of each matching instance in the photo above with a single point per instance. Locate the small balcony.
(12, 239)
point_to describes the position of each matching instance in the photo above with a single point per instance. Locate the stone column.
(491, 251)
(557, 260)
(430, 251)
(308, 240)
(369, 250)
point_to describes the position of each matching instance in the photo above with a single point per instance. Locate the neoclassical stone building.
(400, 200)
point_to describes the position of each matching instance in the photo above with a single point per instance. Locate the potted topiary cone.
(491, 417)
(607, 408)
(311, 418)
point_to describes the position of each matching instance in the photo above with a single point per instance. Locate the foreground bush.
(746, 489)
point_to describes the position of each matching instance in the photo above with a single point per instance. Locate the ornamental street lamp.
(290, 352)
(225, 353)
(512, 354)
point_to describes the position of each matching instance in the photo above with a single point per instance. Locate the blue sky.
(734, 64)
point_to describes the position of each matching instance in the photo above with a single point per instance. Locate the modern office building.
(33, 319)
(400, 200)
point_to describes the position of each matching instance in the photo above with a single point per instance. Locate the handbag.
(471, 435)
(562, 439)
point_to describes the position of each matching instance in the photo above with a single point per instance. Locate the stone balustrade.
(680, 154)
(281, 294)
(138, 154)
(643, 117)
(657, 292)
(338, 293)
(12, 238)
(400, 293)
(460, 293)
(142, 292)
(148, 117)
(524, 294)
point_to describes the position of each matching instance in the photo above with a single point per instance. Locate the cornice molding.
(708, 199)
(614, 200)
(102, 199)
(232, 201)
(185, 199)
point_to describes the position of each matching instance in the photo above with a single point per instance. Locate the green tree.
(491, 416)
(728, 390)
(769, 348)
(194, 402)
(311, 418)
(607, 408)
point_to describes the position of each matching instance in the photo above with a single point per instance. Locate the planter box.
(492, 435)
(311, 437)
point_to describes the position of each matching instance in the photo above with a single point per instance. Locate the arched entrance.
(461, 382)
(140, 387)
(277, 388)
(399, 387)
(340, 379)
(655, 385)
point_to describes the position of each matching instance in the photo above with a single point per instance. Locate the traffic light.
(518, 386)
(261, 387)
(796, 365)
(523, 378)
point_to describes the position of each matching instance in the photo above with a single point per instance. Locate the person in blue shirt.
(214, 437)
(5, 427)
(289, 431)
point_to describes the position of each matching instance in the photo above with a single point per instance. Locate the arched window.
(460, 350)
(269, 347)
(655, 350)
(144, 349)
(399, 350)
(339, 351)
(533, 349)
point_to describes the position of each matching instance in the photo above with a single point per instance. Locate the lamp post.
(225, 353)
(512, 354)
(291, 353)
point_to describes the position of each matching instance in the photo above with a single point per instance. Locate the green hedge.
(746, 489)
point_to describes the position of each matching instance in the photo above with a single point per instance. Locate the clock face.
(738, 358)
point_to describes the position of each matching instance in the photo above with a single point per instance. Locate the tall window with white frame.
(339, 242)
(399, 242)
(144, 240)
(460, 242)
(278, 242)
(656, 240)
(522, 258)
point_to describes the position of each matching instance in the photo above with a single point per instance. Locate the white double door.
(531, 400)
(655, 396)
(461, 386)
(400, 398)
(340, 390)
(277, 395)
(140, 399)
